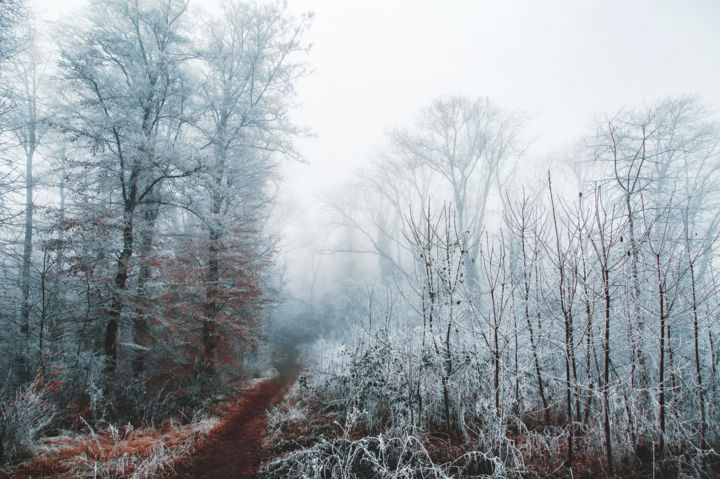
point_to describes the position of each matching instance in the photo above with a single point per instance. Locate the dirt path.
(233, 450)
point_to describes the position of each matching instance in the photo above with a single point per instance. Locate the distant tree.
(473, 145)
(29, 119)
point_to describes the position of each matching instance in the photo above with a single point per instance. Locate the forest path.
(233, 449)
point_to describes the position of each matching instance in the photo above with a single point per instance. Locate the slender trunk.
(698, 370)
(606, 372)
(26, 304)
(671, 369)
(590, 393)
(568, 388)
(588, 345)
(637, 347)
(713, 357)
(661, 379)
(517, 367)
(27, 245)
(141, 328)
(538, 371)
(446, 402)
(496, 367)
(533, 345)
(495, 352)
(43, 315)
(61, 213)
(566, 308)
(448, 370)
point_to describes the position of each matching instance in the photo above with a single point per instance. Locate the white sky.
(564, 62)
(377, 62)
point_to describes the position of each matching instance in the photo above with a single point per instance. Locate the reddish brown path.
(233, 450)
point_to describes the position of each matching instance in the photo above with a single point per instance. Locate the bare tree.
(526, 225)
(698, 249)
(472, 145)
(29, 122)
(605, 237)
(670, 149)
(495, 277)
(438, 244)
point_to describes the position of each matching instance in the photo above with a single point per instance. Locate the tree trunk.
(121, 275)
(210, 338)
(606, 373)
(661, 379)
(26, 304)
(698, 370)
(141, 328)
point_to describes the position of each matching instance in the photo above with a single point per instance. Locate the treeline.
(569, 323)
(136, 182)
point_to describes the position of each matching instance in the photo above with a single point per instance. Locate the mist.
(323, 239)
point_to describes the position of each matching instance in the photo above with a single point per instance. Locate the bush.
(23, 419)
(348, 458)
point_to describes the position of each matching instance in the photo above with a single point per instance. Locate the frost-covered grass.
(116, 452)
(392, 454)
(24, 418)
(378, 411)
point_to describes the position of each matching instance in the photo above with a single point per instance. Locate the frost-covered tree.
(250, 63)
(125, 91)
(29, 119)
(473, 145)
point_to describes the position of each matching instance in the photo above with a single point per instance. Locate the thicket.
(581, 338)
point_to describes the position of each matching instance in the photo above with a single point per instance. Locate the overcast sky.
(377, 62)
(564, 62)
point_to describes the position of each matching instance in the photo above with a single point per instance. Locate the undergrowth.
(115, 452)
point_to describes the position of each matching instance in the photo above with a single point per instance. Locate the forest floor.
(228, 446)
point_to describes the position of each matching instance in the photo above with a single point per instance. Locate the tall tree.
(125, 69)
(252, 56)
(29, 125)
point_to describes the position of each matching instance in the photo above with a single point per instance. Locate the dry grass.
(115, 452)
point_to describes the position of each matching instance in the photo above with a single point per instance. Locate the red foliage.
(187, 335)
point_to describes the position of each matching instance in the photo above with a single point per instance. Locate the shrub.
(24, 418)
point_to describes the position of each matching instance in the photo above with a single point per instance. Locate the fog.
(389, 239)
(374, 65)
(565, 63)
